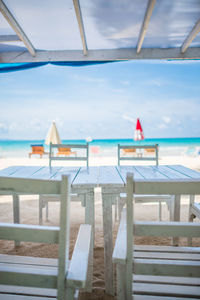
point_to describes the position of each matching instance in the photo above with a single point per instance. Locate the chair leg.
(160, 210)
(40, 210)
(47, 211)
(191, 217)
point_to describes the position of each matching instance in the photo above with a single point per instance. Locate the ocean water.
(108, 147)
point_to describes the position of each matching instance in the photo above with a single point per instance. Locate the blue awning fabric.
(5, 68)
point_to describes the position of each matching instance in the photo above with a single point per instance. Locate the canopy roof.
(98, 30)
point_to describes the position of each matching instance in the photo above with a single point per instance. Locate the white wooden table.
(174, 180)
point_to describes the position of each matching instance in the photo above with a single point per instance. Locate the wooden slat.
(145, 23)
(80, 24)
(167, 267)
(170, 172)
(195, 30)
(163, 255)
(72, 171)
(22, 297)
(100, 55)
(166, 290)
(45, 173)
(109, 176)
(167, 279)
(147, 297)
(167, 249)
(10, 170)
(33, 277)
(29, 233)
(29, 186)
(167, 229)
(152, 172)
(28, 260)
(87, 177)
(120, 250)
(188, 172)
(26, 171)
(76, 276)
(16, 27)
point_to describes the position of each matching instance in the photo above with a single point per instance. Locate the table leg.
(177, 208)
(108, 242)
(16, 215)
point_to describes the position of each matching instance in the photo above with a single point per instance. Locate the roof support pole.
(145, 24)
(16, 27)
(80, 24)
(195, 30)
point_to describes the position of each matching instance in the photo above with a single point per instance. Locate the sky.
(102, 101)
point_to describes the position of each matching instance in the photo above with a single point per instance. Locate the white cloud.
(166, 119)
(125, 82)
(128, 118)
(162, 126)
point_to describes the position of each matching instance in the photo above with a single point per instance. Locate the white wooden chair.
(77, 157)
(160, 199)
(194, 212)
(45, 199)
(34, 278)
(155, 272)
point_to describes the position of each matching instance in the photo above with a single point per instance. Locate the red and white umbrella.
(138, 135)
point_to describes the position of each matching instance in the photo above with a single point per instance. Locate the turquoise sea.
(19, 148)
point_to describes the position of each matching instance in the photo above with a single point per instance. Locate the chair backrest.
(139, 153)
(65, 149)
(40, 234)
(158, 229)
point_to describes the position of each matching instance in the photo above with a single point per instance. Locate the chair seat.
(165, 286)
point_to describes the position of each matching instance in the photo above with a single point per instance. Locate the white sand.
(29, 215)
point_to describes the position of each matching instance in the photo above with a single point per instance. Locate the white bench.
(155, 272)
(33, 278)
(160, 199)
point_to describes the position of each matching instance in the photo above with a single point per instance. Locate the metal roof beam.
(80, 25)
(195, 30)
(100, 55)
(16, 27)
(9, 38)
(145, 24)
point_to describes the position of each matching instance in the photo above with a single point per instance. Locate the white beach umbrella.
(52, 135)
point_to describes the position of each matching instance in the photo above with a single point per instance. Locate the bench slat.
(167, 279)
(24, 290)
(167, 267)
(15, 259)
(166, 249)
(163, 255)
(167, 290)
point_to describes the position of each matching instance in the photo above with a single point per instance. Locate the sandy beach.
(29, 215)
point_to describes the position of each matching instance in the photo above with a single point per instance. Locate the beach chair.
(148, 272)
(37, 150)
(160, 199)
(23, 277)
(65, 151)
